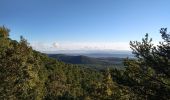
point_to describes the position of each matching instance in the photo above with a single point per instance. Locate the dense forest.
(26, 74)
(98, 63)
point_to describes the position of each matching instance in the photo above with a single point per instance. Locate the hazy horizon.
(87, 52)
(87, 25)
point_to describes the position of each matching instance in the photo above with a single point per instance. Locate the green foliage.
(19, 71)
(150, 72)
(30, 75)
(4, 32)
(27, 74)
(90, 62)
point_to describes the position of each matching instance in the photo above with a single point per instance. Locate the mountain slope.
(86, 60)
(91, 62)
(74, 59)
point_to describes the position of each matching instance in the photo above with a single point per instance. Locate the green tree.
(19, 69)
(4, 32)
(149, 72)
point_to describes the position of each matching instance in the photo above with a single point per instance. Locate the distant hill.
(74, 59)
(98, 63)
(95, 54)
(110, 55)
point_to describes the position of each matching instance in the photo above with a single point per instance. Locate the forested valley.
(26, 74)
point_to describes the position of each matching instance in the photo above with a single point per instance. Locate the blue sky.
(84, 24)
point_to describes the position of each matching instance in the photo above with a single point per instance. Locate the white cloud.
(80, 46)
(56, 45)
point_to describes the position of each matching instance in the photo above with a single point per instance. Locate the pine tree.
(19, 69)
(150, 70)
(4, 32)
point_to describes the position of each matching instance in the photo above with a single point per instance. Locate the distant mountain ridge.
(100, 62)
(74, 59)
(109, 55)
(92, 53)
